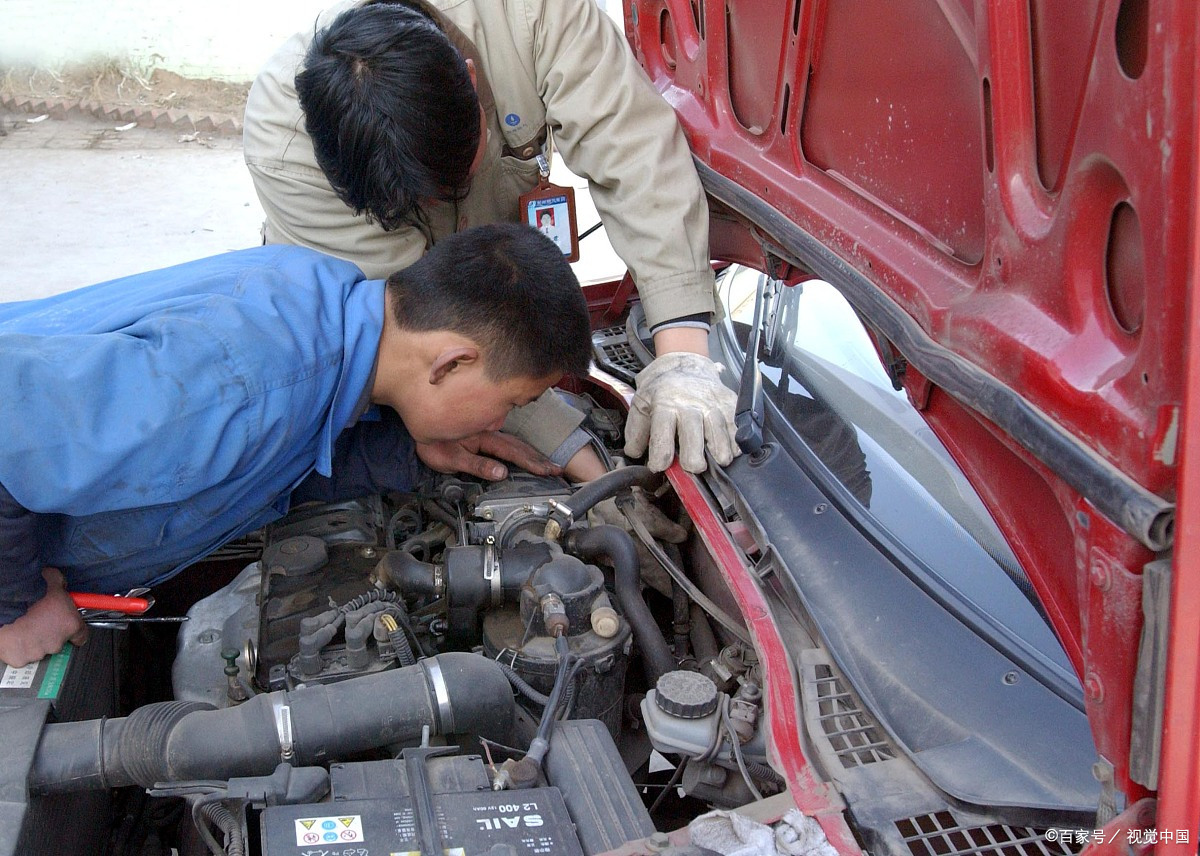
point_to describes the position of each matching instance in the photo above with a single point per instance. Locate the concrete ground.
(84, 202)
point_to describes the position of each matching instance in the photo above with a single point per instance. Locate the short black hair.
(391, 110)
(508, 288)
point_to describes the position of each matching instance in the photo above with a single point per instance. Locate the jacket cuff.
(665, 299)
(576, 441)
(546, 424)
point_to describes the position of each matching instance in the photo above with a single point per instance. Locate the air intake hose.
(183, 741)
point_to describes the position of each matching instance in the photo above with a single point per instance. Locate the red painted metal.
(1020, 177)
(1179, 772)
(812, 795)
(1127, 834)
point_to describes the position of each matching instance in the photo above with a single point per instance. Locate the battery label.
(56, 671)
(18, 679)
(337, 829)
(533, 822)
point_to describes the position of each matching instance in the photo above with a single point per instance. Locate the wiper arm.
(748, 416)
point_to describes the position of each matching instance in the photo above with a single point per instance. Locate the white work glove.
(681, 393)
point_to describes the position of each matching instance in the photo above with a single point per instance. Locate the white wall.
(224, 39)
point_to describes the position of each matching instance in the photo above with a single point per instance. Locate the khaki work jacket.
(542, 65)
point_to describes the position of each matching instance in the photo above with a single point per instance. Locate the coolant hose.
(615, 545)
(452, 693)
(563, 514)
(704, 641)
(609, 484)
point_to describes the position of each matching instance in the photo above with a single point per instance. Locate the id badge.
(550, 209)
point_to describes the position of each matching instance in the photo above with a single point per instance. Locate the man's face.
(465, 402)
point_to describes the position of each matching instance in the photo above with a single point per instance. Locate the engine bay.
(511, 667)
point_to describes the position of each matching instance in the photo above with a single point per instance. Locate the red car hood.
(1006, 191)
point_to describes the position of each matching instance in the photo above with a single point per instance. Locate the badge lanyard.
(550, 209)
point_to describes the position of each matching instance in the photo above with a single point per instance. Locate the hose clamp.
(283, 729)
(441, 694)
(491, 570)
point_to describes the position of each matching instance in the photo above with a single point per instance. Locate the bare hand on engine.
(681, 394)
(475, 456)
(45, 627)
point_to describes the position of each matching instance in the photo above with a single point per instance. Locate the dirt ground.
(112, 84)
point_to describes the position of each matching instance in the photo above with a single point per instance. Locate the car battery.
(374, 812)
(76, 684)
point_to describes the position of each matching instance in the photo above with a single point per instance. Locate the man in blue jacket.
(149, 420)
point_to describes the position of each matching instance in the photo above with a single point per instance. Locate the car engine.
(473, 667)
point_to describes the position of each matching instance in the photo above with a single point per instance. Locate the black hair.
(506, 287)
(391, 110)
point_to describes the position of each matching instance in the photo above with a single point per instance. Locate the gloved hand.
(681, 393)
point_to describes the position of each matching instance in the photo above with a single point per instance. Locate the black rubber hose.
(609, 484)
(179, 741)
(615, 545)
(681, 619)
(704, 641)
(408, 574)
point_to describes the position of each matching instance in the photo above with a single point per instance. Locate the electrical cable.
(522, 686)
(718, 614)
(737, 749)
(541, 741)
(397, 633)
(225, 820)
(762, 771)
(189, 788)
(565, 661)
(216, 848)
(571, 695)
(670, 786)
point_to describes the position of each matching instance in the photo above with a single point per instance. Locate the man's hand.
(681, 393)
(45, 627)
(469, 456)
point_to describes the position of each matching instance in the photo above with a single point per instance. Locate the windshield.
(823, 376)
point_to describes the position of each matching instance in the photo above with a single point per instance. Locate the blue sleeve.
(174, 403)
(21, 580)
(369, 457)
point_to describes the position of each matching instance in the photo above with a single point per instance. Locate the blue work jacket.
(148, 420)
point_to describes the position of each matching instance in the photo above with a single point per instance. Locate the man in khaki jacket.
(421, 119)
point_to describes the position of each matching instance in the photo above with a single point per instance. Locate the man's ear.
(449, 360)
(471, 71)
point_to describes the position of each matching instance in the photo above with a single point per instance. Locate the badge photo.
(551, 210)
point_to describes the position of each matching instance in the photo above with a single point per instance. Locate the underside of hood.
(1005, 191)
